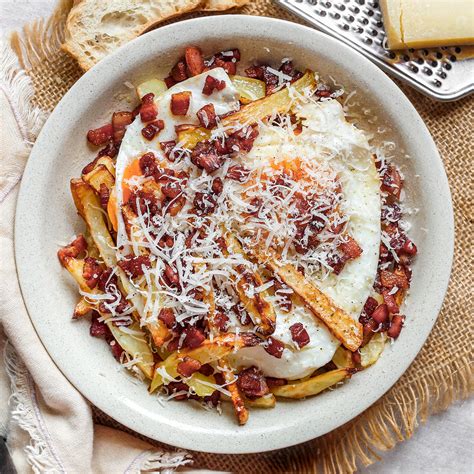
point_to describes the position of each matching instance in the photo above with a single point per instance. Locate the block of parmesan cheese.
(428, 23)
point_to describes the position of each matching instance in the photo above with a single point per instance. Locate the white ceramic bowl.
(46, 218)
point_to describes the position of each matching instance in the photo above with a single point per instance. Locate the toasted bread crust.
(94, 30)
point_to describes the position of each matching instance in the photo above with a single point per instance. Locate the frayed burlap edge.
(394, 418)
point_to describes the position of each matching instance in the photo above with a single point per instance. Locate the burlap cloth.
(440, 374)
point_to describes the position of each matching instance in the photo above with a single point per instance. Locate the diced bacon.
(228, 66)
(120, 122)
(356, 358)
(390, 279)
(237, 173)
(207, 116)
(323, 93)
(148, 109)
(392, 182)
(100, 136)
(206, 369)
(104, 195)
(168, 317)
(274, 347)
(106, 280)
(73, 250)
(299, 334)
(171, 189)
(171, 275)
(144, 201)
(193, 337)
(98, 328)
(188, 366)
(152, 129)
(194, 60)
(242, 140)
(368, 330)
(350, 248)
(178, 73)
(168, 148)
(252, 383)
(117, 351)
(250, 339)
(133, 266)
(409, 248)
(396, 326)
(211, 84)
(289, 69)
(204, 204)
(275, 382)
(205, 156)
(148, 164)
(169, 81)
(214, 398)
(176, 387)
(91, 272)
(217, 186)
(254, 72)
(221, 321)
(370, 305)
(180, 102)
(390, 301)
(380, 315)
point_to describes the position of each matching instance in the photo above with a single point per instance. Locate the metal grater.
(437, 72)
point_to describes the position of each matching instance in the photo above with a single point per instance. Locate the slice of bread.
(218, 5)
(95, 29)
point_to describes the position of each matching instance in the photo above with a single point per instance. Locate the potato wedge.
(343, 358)
(267, 401)
(209, 351)
(249, 89)
(240, 411)
(82, 308)
(370, 353)
(344, 328)
(190, 137)
(153, 86)
(98, 176)
(278, 103)
(257, 305)
(313, 385)
(135, 345)
(88, 206)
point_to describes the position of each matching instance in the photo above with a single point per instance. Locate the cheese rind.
(428, 23)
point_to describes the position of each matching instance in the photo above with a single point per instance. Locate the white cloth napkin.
(49, 426)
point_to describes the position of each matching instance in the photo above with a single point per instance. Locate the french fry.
(344, 328)
(82, 308)
(259, 308)
(343, 358)
(313, 385)
(267, 401)
(88, 206)
(98, 176)
(278, 103)
(370, 353)
(249, 89)
(240, 411)
(135, 345)
(108, 163)
(208, 351)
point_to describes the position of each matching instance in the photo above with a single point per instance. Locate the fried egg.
(134, 145)
(331, 141)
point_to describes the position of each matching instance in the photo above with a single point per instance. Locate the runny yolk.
(133, 169)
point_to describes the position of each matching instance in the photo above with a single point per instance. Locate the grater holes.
(442, 74)
(321, 12)
(358, 29)
(437, 83)
(427, 71)
(354, 9)
(335, 15)
(364, 21)
(447, 66)
(453, 58)
(344, 26)
(457, 49)
(349, 18)
(340, 7)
